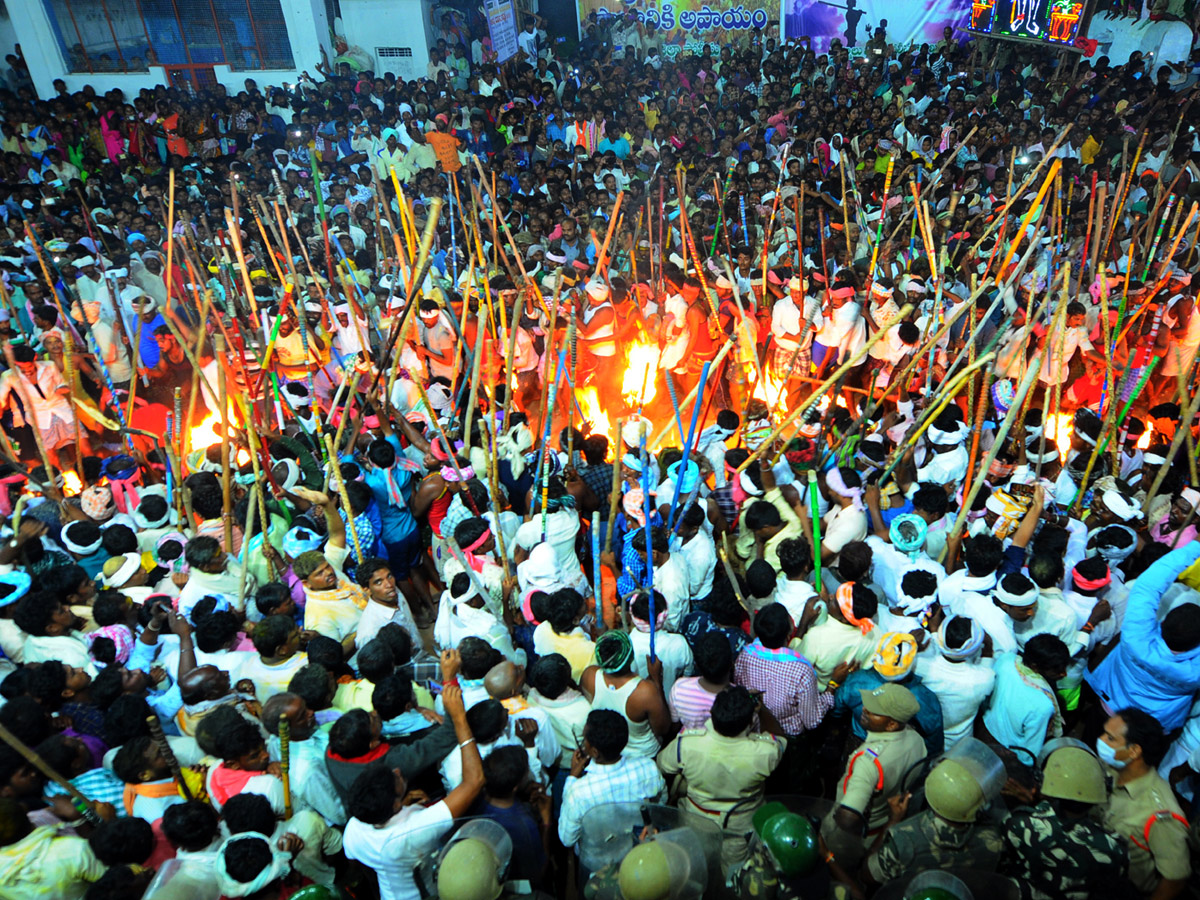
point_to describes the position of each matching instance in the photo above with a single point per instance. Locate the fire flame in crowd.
(208, 433)
(72, 483)
(593, 412)
(639, 383)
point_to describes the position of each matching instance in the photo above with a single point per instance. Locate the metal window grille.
(131, 35)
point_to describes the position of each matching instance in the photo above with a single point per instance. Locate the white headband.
(291, 474)
(953, 438)
(79, 549)
(1026, 599)
(1119, 506)
(141, 521)
(969, 647)
(130, 563)
(835, 482)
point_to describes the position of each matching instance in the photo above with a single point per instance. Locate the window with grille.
(131, 35)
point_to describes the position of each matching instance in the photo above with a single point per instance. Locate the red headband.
(1090, 584)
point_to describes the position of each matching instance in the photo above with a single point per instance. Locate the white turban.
(1120, 507)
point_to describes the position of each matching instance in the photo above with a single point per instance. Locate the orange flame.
(206, 434)
(638, 382)
(1059, 429)
(1144, 440)
(72, 484)
(593, 412)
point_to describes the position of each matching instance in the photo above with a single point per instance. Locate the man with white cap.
(795, 318)
(958, 675)
(435, 341)
(88, 281)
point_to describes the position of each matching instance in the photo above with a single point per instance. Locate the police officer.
(663, 865)
(1142, 808)
(725, 765)
(471, 867)
(942, 836)
(873, 773)
(1055, 848)
(784, 861)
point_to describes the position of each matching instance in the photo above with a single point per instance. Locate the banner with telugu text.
(693, 24)
(854, 21)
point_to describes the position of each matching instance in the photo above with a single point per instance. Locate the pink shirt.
(690, 704)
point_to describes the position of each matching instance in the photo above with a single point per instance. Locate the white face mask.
(1108, 755)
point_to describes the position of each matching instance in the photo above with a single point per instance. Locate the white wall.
(29, 24)
(133, 82)
(8, 33)
(387, 23)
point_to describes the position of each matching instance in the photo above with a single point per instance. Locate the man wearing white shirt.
(670, 649)
(527, 41)
(392, 838)
(982, 555)
(495, 729)
(961, 680)
(310, 779)
(698, 552)
(1013, 604)
(670, 576)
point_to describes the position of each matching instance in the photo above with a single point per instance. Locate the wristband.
(452, 682)
(469, 740)
(831, 685)
(1088, 627)
(828, 856)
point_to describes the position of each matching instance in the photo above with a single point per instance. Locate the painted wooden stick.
(285, 740)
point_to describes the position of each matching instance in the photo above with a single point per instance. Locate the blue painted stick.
(117, 405)
(647, 507)
(596, 560)
(671, 392)
(453, 236)
(687, 444)
(549, 414)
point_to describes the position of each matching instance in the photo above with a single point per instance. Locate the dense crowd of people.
(631, 474)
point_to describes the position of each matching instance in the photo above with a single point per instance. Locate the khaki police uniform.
(1145, 814)
(872, 775)
(722, 772)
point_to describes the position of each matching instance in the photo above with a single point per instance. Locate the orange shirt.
(175, 143)
(445, 147)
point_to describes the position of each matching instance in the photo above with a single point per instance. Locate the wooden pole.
(226, 496)
(285, 736)
(804, 407)
(82, 803)
(336, 469)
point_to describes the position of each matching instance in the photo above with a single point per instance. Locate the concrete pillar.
(308, 30)
(43, 54)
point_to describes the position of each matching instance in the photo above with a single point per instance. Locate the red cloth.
(162, 848)
(226, 782)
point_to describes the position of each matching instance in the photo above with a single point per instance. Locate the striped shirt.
(690, 703)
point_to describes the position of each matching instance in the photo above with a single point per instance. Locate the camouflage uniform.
(1061, 857)
(928, 841)
(602, 885)
(757, 879)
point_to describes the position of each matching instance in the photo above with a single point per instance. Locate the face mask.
(1108, 755)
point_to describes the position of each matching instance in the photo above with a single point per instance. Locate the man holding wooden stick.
(908, 350)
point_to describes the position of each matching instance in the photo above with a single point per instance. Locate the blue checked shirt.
(631, 779)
